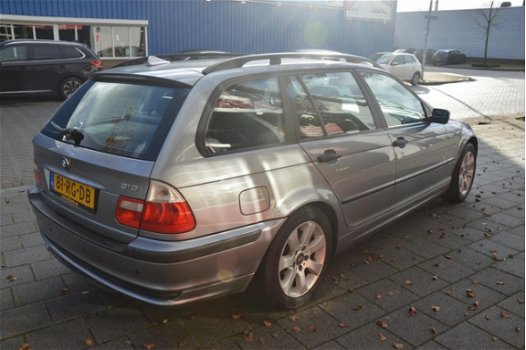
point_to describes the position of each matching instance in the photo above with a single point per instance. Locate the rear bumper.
(166, 273)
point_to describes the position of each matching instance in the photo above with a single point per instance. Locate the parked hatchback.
(29, 67)
(404, 66)
(172, 183)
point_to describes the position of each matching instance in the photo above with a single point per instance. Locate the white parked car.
(404, 66)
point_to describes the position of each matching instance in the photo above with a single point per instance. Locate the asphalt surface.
(444, 277)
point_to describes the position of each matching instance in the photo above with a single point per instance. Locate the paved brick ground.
(460, 266)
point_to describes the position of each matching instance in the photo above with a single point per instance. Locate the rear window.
(126, 119)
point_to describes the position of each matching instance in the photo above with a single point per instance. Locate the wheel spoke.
(286, 262)
(301, 282)
(317, 244)
(286, 283)
(307, 231)
(314, 267)
(293, 241)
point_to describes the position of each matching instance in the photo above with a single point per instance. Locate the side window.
(246, 115)
(45, 52)
(339, 102)
(398, 60)
(70, 52)
(14, 53)
(398, 105)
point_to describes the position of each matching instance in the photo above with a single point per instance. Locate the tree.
(486, 19)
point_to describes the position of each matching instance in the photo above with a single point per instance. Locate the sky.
(423, 5)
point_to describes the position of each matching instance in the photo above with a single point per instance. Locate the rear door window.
(338, 101)
(14, 53)
(127, 119)
(246, 115)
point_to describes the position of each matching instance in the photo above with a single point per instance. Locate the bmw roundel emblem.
(66, 163)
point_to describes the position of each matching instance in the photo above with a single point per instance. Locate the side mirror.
(440, 116)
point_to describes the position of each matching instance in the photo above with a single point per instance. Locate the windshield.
(384, 59)
(127, 119)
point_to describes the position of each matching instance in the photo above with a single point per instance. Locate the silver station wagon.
(172, 183)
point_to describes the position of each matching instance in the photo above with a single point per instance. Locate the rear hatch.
(101, 144)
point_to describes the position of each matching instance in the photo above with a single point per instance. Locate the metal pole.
(425, 40)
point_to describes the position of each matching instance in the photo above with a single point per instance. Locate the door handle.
(328, 155)
(400, 142)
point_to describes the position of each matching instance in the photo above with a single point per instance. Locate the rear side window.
(338, 101)
(130, 120)
(14, 53)
(246, 115)
(70, 52)
(45, 52)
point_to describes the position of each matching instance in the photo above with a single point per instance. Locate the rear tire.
(416, 79)
(68, 86)
(463, 175)
(296, 260)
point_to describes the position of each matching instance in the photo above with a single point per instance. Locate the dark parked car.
(178, 182)
(429, 55)
(449, 56)
(45, 67)
(182, 56)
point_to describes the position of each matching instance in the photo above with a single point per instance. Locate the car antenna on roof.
(155, 61)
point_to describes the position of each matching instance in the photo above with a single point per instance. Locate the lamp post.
(426, 35)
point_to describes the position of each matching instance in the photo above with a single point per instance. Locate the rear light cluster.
(164, 211)
(38, 175)
(96, 63)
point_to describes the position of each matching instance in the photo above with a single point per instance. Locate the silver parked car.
(404, 66)
(172, 183)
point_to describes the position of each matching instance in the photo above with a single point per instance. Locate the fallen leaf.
(470, 293)
(505, 314)
(267, 324)
(64, 291)
(474, 306)
(390, 294)
(435, 308)
(382, 337)
(11, 278)
(433, 330)
(486, 317)
(408, 282)
(518, 329)
(378, 296)
(494, 338)
(312, 328)
(398, 346)
(358, 307)
(296, 329)
(382, 324)
(165, 321)
(447, 257)
(520, 301)
(412, 311)
(436, 264)
(89, 342)
(495, 257)
(293, 318)
(24, 346)
(148, 346)
(342, 325)
(236, 316)
(434, 278)
(249, 336)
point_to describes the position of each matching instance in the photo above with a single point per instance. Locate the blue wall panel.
(459, 30)
(226, 25)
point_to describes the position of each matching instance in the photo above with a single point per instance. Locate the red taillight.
(164, 211)
(129, 211)
(96, 63)
(38, 174)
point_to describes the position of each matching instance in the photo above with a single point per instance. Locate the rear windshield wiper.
(70, 133)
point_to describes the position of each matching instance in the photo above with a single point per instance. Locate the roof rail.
(275, 59)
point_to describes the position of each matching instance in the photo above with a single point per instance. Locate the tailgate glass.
(126, 119)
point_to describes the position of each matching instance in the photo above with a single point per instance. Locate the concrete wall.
(458, 29)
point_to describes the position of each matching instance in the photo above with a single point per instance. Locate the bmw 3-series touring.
(177, 182)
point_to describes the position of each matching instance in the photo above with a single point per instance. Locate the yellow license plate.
(76, 192)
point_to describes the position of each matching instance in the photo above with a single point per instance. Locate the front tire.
(296, 260)
(68, 86)
(416, 79)
(463, 175)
